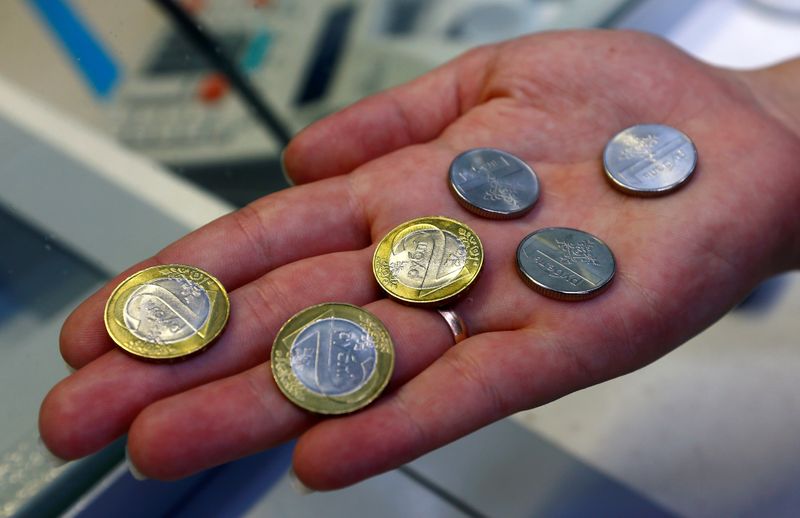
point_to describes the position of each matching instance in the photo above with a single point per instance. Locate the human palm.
(554, 100)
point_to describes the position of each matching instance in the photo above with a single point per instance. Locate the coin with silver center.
(649, 159)
(430, 261)
(166, 312)
(332, 358)
(565, 263)
(493, 183)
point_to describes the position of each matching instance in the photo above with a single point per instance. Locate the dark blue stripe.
(327, 54)
(85, 49)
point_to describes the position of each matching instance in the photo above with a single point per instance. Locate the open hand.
(554, 100)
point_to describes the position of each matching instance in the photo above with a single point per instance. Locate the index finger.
(238, 248)
(412, 113)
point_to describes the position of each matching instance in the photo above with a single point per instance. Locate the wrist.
(776, 91)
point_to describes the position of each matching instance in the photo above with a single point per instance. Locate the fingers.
(130, 385)
(237, 248)
(408, 114)
(247, 413)
(212, 424)
(99, 401)
(482, 379)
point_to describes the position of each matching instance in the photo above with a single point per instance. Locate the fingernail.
(69, 367)
(135, 473)
(49, 456)
(283, 169)
(299, 487)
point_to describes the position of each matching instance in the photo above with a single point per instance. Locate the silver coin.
(493, 183)
(333, 357)
(649, 159)
(166, 310)
(565, 263)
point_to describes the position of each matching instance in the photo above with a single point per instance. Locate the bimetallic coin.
(493, 183)
(167, 312)
(332, 358)
(564, 263)
(428, 261)
(649, 159)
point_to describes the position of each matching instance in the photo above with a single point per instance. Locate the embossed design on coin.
(493, 183)
(565, 263)
(332, 358)
(428, 261)
(166, 312)
(649, 159)
(427, 258)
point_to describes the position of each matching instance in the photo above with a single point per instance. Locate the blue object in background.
(256, 50)
(87, 52)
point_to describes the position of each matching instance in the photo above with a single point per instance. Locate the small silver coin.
(493, 183)
(565, 263)
(649, 159)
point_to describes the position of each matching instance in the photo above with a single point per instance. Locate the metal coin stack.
(167, 312)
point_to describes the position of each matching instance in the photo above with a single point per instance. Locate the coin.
(649, 159)
(493, 183)
(332, 358)
(564, 263)
(428, 261)
(167, 312)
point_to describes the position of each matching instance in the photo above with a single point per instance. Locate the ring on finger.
(455, 323)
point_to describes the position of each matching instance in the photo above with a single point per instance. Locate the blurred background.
(123, 125)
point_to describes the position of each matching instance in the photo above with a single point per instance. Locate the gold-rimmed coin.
(332, 358)
(167, 312)
(428, 261)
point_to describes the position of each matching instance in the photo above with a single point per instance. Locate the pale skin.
(554, 100)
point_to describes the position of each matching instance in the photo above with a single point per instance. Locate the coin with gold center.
(332, 358)
(428, 261)
(167, 312)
